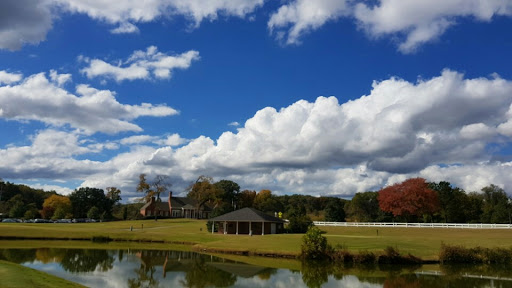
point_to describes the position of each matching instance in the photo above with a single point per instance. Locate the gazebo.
(248, 221)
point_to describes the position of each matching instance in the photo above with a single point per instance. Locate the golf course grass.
(420, 242)
(17, 276)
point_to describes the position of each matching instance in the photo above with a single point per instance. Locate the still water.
(164, 268)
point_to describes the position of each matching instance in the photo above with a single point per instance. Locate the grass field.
(420, 242)
(17, 276)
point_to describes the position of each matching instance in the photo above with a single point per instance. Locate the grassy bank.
(421, 242)
(14, 276)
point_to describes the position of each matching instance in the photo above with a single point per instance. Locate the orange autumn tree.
(409, 198)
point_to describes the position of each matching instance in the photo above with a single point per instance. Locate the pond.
(166, 268)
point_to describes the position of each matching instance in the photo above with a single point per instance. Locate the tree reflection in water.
(87, 260)
(201, 275)
(316, 274)
(148, 268)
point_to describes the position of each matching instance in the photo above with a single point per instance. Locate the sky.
(322, 98)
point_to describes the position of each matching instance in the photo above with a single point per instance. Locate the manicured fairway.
(421, 242)
(17, 276)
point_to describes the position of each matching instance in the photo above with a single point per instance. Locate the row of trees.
(21, 201)
(417, 200)
(412, 200)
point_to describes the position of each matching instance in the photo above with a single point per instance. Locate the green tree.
(266, 202)
(230, 195)
(93, 213)
(314, 244)
(61, 213)
(496, 206)
(473, 211)
(16, 207)
(334, 211)
(246, 199)
(203, 191)
(31, 212)
(364, 207)
(2, 185)
(299, 220)
(452, 202)
(113, 197)
(83, 199)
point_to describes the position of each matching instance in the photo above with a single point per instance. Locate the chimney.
(152, 199)
(169, 201)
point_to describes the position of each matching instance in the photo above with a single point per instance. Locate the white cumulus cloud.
(149, 64)
(9, 78)
(91, 110)
(414, 22)
(128, 12)
(434, 128)
(422, 21)
(293, 20)
(439, 128)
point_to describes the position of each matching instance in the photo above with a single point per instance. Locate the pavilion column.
(213, 226)
(262, 228)
(236, 227)
(250, 228)
(225, 232)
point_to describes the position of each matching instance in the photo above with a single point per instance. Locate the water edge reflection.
(166, 268)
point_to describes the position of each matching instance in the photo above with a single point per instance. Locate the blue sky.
(328, 97)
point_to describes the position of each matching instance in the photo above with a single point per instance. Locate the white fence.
(414, 225)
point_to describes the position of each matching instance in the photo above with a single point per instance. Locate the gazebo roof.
(247, 214)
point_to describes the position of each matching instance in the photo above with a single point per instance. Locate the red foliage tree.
(409, 198)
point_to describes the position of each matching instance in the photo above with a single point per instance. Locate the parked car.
(63, 221)
(38, 220)
(9, 220)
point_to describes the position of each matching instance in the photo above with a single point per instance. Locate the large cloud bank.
(413, 23)
(444, 128)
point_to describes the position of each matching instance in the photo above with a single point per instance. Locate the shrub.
(392, 256)
(314, 245)
(365, 257)
(498, 256)
(477, 255)
(459, 254)
(343, 256)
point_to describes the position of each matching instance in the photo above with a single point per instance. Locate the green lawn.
(17, 276)
(421, 242)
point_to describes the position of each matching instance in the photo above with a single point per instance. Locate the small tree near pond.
(314, 245)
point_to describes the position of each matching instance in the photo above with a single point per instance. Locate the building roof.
(247, 214)
(185, 202)
(162, 206)
(177, 203)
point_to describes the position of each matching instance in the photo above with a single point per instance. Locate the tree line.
(24, 202)
(414, 200)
